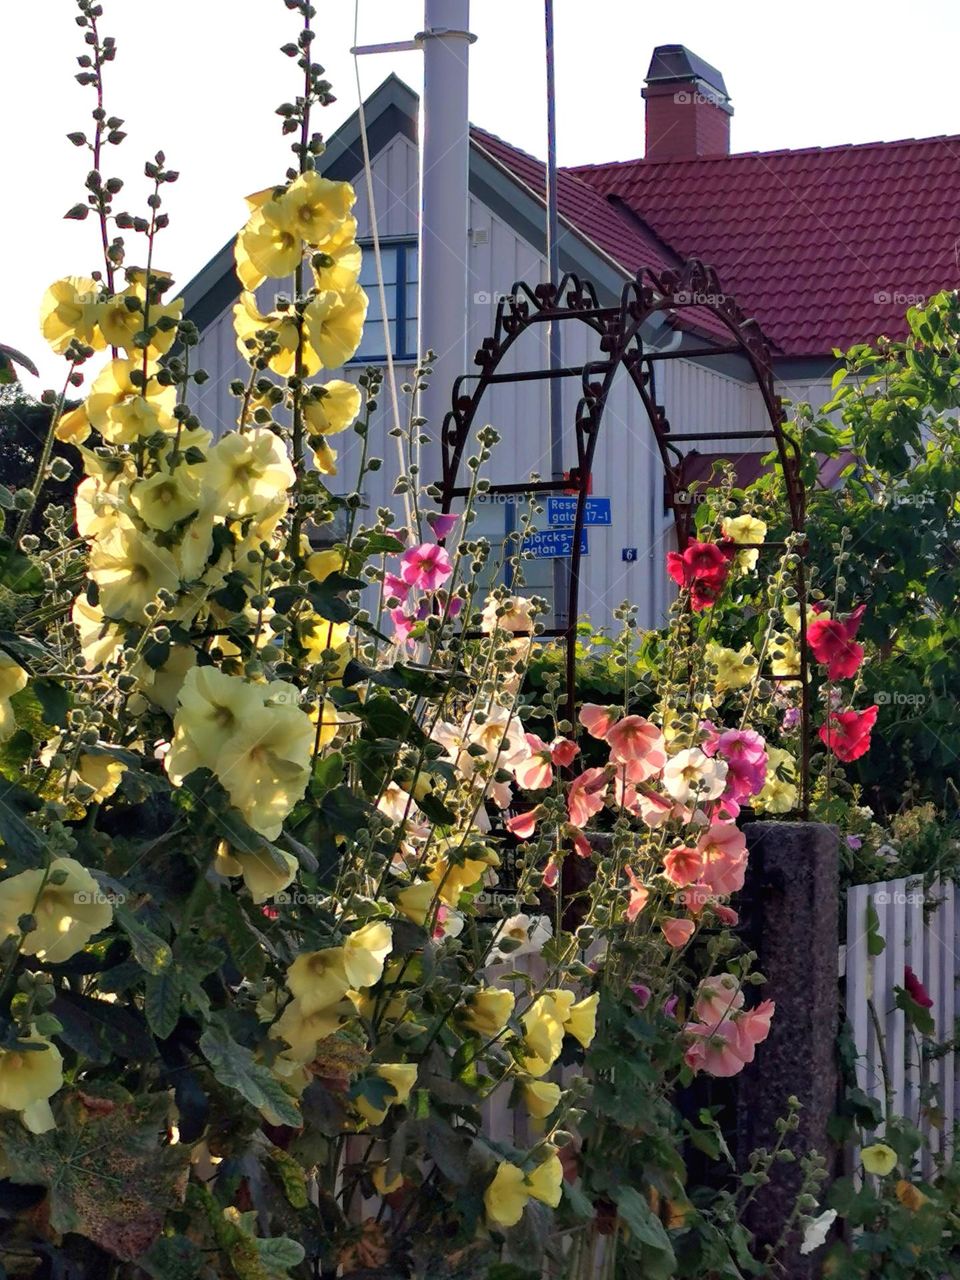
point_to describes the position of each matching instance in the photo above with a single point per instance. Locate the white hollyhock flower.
(692, 775)
(816, 1231)
(531, 933)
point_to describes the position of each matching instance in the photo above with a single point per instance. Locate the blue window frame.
(400, 280)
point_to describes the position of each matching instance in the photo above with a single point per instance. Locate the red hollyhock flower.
(833, 645)
(703, 567)
(847, 733)
(915, 989)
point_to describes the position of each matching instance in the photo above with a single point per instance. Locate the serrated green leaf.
(235, 1066)
(151, 953)
(163, 993)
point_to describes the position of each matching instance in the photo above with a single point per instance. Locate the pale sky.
(201, 79)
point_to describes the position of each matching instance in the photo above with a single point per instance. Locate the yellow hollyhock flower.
(264, 249)
(384, 1184)
(334, 323)
(327, 718)
(416, 900)
(100, 641)
(791, 613)
(489, 1011)
(778, 795)
(100, 507)
(123, 412)
(213, 706)
(246, 470)
(331, 407)
(321, 564)
(312, 207)
(402, 1076)
(303, 1031)
(162, 685)
(129, 569)
(543, 1025)
(265, 765)
(506, 1197)
(67, 904)
(365, 951)
(266, 872)
(29, 1077)
(546, 1181)
(249, 322)
(69, 311)
(73, 427)
(13, 678)
(452, 879)
(101, 772)
(734, 671)
(342, 268)
(879, 1159)
(541, 1098)
(581, 1021)
(784, 656)
(324, 456)
(120, 323)
(166, 498)
(318, 979)
(318, 636)
(745, 529)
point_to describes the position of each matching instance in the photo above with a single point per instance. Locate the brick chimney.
(688, 111)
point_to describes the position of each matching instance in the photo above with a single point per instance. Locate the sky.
(201, 80)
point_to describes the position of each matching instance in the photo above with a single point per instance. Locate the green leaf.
(163, 993)
(109, 1172)
(53, 698)
(172, 1258)
(648, 1232)
(151, 953)
(98, 1029)
(279, 1254)
(327, 773)
(18, 573)
(235, 1066)
(875, 940)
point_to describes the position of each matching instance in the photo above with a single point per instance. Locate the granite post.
(792, 904)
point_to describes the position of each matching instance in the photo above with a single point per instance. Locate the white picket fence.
(920, 929)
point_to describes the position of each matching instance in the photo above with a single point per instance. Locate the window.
(399, 258)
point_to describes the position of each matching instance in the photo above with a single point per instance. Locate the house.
(824, 248)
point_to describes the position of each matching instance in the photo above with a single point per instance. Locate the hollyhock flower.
(670, 1006)
(641, 994)
(910, 1197)
(66, 903)
(395, 586)
(784, 656)
(541, 1098)
(726, 915)
(563, 751)
(723, 848)
(854, 842)
(521, 935)
(703, 595)
(915, 989)
(695, 897)
(717, 996)
(677, 932)
(702, 562)
(634, 741)
(403, 624)
(401, 1077)
(779, 791)
(791, 719)
(586, 795)
(551, 875)
(832, 644)
(487, 1012)
(879, 1159)
(523, 825)
(724, 1048)
(441, 523)
(536, 772)
(29, 1077)
(745, 529)
(691, 775)
(453, 605)
(639, 895)
(816, 1231)
(581, 845)
(506, 1197)
(735, 668)
(597, 720)
(426, 566)
(847, 733)
(512, 613)
(683, 865)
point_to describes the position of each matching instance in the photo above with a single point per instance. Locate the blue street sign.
(563, 511)
(550, 543)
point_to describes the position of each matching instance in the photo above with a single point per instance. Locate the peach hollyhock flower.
(523, 825)
(717, 996)
(677, 932)
(723, 848)
(597, 720)
(639, 895)
(693, 775)
(635, 742)
(683, 865)
(426, 566)
(536, 772)
(654, 810)
(563, 752)
(723, 1048)
(586, 795)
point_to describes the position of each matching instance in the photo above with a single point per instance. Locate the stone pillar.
(792, 917)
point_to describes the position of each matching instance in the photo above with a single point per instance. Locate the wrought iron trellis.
(622, 344)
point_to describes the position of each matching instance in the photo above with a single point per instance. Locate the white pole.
(444, 162)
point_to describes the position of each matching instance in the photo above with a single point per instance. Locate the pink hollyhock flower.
(726, 915)
(831, 641)
(915, 989)
(697, 896)
(724, 1048)
(639, 896)
(426, 566)
(717, 996)
(563, 751)
(742, 744)
(670, 1006)
(441, 524)
(597, 720)
(582, 846)
(847, 733)
(523, 825)
(753, 1027)
(723, 848)
(654, 809)
(634, 741)
(551, 875)
(394, 586)
(586, 795)
(791, 719)
(682, 866)
(403, 624)
(677, 932)
(641, 994)
(452, 604)
(535, 772)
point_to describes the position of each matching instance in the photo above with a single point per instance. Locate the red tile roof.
(826, 247)
(614, 228)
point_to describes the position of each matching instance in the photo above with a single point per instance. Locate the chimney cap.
(674, 63)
